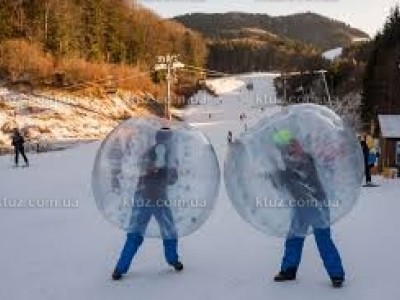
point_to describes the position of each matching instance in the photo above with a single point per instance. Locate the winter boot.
(178, 266)
(337, 282)
(287, 275)
(116, 275)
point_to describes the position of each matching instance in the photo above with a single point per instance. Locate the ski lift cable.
(83, 84)
(208, 71)
(196, 72)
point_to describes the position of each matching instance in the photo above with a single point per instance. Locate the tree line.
(96, 32)
(246, 55)
(381, 92)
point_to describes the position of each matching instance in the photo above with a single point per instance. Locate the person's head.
(286, 142)
(164, 135)
(362, 137)
(295, 148)
(16, 131)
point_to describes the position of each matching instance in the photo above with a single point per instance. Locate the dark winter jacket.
(18, 140)
(300, 179)
(310, 208)
(365, 150)
(159, 169)
(153, 185)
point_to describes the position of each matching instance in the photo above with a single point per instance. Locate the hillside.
(381, 94)
(60, 247)
(308, 28)
(253, 55)
(70, 42)
(52, 118)
(93, 53)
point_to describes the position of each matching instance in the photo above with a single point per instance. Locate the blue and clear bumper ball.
(293, 172)
(156, 178)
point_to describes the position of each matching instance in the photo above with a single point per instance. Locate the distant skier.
(299, 178)
(18, 142)
(230, 137)
(366, 153)
(372, 158)
(150, 200)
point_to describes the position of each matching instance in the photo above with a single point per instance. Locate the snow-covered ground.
(70, 252)
(51, 118)
(333, 53)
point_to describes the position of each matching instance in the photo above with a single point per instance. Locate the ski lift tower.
(169, 63)
(323, 74)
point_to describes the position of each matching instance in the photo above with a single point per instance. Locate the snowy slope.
(333, 53)
(69, 253)
(51, 117)
(224, 85)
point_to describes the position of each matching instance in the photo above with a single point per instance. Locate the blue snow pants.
(326, 247)
(135, 238)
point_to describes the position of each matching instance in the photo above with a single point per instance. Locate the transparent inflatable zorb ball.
(156, 178)
(300, 169)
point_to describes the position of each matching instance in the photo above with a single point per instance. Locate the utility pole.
(284, 88)
(169, 63)
(323, 72)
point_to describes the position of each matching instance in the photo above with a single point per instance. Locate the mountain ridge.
(309, 28)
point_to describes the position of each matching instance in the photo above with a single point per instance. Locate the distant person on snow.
(150, 199)
(372, 158)
(230, 137)
(366, 153)
(18, 144)
(300, 180)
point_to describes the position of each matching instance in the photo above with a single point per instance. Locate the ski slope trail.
(68, 251)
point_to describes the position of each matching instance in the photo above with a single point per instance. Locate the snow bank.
(56, 117)
(333, 53)
(224, 85)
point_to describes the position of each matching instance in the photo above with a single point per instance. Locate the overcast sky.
(368, 15)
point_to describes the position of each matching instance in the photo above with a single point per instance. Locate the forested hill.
(307, 28)
(381, 94)
(86, 39)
